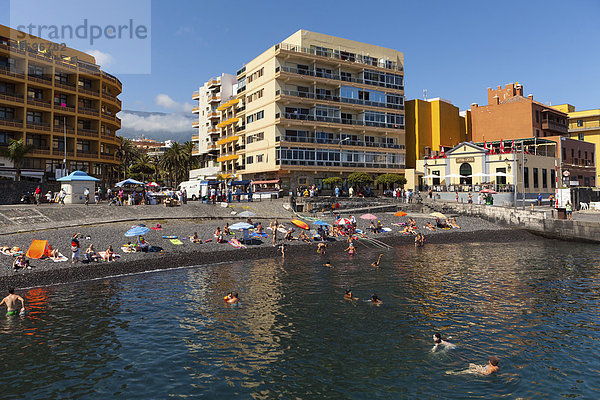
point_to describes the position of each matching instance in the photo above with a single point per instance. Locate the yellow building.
(47, 93)
(584, 125)
(315, 106)
(430, 124)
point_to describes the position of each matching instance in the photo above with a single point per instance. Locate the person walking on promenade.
(539, 199)
(74, 248)
(11, 303)
(86, 194)
(61, 196)
(38, 195)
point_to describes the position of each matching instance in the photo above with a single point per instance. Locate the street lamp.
(340, 144)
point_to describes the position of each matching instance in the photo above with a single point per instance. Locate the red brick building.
(510, 115)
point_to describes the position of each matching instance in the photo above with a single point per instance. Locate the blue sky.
(454, 49)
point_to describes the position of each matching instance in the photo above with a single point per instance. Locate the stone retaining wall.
(539, 222)
(11, 192)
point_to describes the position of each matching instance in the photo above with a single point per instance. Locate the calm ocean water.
(170, 335)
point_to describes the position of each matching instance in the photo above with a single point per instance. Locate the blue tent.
(129, 182)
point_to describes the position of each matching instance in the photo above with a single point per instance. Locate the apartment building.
(48, 94)
(315, 106)
(584, 125)
(509, 115)
(430, 125)
(211, 97)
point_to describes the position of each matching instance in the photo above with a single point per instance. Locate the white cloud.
(164, 100)
(173, 123)
(102, 59)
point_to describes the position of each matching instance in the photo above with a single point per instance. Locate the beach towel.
(236, 243)
(60, 258)
(128, 249)
(386, 229)
(102, 255)
(38, 249)
(169, 237)
(155, 228)
(282, 230)
(256, 234)
(176, 241)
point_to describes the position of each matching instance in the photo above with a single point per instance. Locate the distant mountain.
(157, 125)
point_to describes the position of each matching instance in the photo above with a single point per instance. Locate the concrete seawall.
(538, 222)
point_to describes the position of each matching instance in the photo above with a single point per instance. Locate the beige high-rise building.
(312, 107)
(211, 97)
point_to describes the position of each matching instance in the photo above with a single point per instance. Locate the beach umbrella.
(300, 224)
(438, 215)
(368, 216)
(137, 231)
(240, 226)
(400, 214)
(129, 182)
(501, 174)
(479, 175)
(343, 221)
(153, 184)
(322, 223)
(490, 191)
(247, 214)
(453, 176)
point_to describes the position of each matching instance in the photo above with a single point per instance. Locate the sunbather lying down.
(11, 251)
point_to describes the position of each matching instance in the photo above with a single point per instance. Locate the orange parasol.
(400, 214)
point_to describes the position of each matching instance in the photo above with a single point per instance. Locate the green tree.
(359, 179)
(174, 163)
(16, 152)
(389, 180)
(142, 166)
(128, 154)
(333, 181)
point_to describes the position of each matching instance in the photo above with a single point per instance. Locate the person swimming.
(375, 299)
(328, 265)
(231, 298)
(351, 249)
(490, 368)
(348, 295)
(376, 263)
(439, 341)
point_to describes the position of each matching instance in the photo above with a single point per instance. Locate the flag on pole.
(442, 153)
(502, 146)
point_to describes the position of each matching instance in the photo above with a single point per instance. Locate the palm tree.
(128, 153)
(16, 152)
(143, 165)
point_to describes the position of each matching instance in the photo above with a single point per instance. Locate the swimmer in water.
(231, 298)
(376, 300)
(321, 247)
(348, 295)
(328, 265)
(376, 263)
(490, 368)
(351, 249)
(11, 302)
(438, 342)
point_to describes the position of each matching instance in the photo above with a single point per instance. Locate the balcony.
(214, 99)
(196, 95)
(337, 99)
(58, 107)
(90, 92)
(195, 110)
(107, 136)
(87, 132)
(323, 75)
(88, 111)
(195, 124)
(6, 72)
(11, 122)
(213, 83)
(337, 120)
(87, 154)
(109, 117)
(553, 126)
(213, 131)
(338, 142)
(107, 157)
(65, 86)
(14, 97)
(60, 128)
(340, 56)
(40, 126)
(241, 71)
(40, 79)
(195, 137)
(213, 114)
(38, 103)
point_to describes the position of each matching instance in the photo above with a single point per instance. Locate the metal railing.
(339, 142)
(337, 99)
(337, 120)
(323, 163)
(337, 77)
(342, 56)
(18, 98)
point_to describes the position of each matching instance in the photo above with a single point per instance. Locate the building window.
(260, 115)
(572, 153)
(552, 178)
(537, 116)
(34, 117)
(60, 98)
(580, 136)
(35, 94)
(544, 178)
(85, 83)
(36, 70)
(526, 177)
(249, 159)
(60, 77)
(536, 179)
(259, 158)
(579, 123)
(537, 133)
(7, 113)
